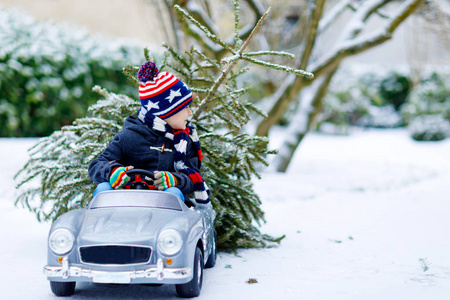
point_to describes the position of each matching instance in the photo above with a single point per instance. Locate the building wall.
(120, 18)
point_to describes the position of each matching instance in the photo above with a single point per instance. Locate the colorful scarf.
(180, 139)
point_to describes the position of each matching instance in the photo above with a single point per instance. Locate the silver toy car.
(133, 237)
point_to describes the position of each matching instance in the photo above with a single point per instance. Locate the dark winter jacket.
(139, 146)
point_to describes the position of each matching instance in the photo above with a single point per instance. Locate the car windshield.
(136, 198)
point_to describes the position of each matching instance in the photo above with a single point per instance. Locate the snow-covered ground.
(359, 213)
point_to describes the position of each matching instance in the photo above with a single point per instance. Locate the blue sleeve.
(100, 168)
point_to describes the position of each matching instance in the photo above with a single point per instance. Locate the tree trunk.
(351, 45)
(309, 108)
(306, 113)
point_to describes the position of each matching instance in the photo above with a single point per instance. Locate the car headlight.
(170, 242)
(61, 241)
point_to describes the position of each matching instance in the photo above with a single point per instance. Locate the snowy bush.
(381, 117)
(430, 97)
(429, 128)
(350, 97)
(47, 72)
(343, 108)
(428, 108)
(364, 97)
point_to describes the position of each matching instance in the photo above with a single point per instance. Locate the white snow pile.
(366, 216)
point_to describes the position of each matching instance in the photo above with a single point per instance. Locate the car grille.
(115, 255)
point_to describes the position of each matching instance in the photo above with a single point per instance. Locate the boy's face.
(179, 120)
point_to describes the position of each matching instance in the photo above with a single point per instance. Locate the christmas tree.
(56, 173)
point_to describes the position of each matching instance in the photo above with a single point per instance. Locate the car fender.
(196, 236)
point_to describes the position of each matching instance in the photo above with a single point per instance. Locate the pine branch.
(272, 53)
(279, 67)
(237, 38)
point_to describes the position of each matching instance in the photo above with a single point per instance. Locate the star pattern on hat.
(152, 105)
(173, 94)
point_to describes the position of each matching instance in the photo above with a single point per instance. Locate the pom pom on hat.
(162, 94)
(148, 71)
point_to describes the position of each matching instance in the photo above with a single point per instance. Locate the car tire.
(211, 262)
(193, 287)
(62, 289)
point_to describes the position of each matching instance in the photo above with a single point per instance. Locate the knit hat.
(162, 94)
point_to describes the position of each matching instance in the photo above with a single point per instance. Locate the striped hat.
(162, 94)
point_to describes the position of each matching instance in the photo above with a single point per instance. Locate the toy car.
(133, 236)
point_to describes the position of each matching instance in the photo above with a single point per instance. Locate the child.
(158, 140)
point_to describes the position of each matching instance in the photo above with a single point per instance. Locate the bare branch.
(244, 33)
(316, 15)
(157, 3)
(255, 29)
(205, 30)
(332, 15)
(362, 14)
(287, 93)
(174, 24)
(257, 8)
(201, 16)
(358, 45)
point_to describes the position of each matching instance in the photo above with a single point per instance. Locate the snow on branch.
(303, 73)
(274, 53)
(361, 15)
(360, 44)
(333, 14)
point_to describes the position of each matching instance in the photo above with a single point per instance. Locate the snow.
(358, 212)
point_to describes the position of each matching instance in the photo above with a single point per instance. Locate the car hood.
(124, 225)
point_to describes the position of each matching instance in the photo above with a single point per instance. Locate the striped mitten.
(119, 177)
(164, 180)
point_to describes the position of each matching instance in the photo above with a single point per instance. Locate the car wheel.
(211, 262)
(62, 289)
(193, 287)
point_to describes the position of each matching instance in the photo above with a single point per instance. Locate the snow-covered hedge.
(386, 99)
(429, 128)
(369, 98)
(428, 108)
(47, 72)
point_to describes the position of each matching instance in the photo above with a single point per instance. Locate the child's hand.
(119, 178)
(164, 180)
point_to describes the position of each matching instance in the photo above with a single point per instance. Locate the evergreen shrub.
(394, 89)
(47, 72)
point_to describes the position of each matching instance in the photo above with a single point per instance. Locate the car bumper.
(157, 274)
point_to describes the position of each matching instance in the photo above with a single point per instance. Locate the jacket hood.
(136, 125)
